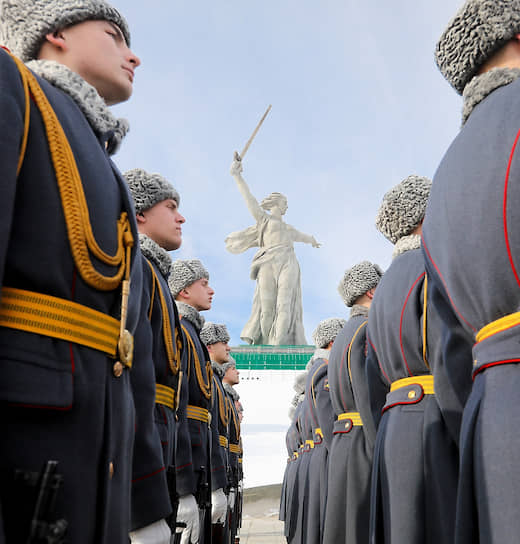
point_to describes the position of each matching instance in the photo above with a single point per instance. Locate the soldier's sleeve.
(324, 410)
(448, 342)
(185, 475)
(12, 109)
(359, 384)
(150, 497)
(218, 462)
(377, 389)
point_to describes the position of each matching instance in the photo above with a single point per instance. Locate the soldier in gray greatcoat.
(201, 472)
(298, 504)
(471, 245)
(216, 337)
(414, 478)
(68, 252)
(295, 444)
(160, 230)
(350, 453)
(321, 416)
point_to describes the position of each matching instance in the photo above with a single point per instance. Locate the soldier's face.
(163, 224)
(232, 375)
(219, 352)
(199, 295)
(97, 51)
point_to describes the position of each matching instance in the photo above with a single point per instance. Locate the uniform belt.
(354, 417)
(223, 441)
(409, 390)
(309, 445)
(497, 344)
(59, 318)
(198, 413)
(235, 448)
(426, 382)
(497, 326)
(165, 395)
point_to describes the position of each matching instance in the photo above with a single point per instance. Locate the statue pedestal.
(272, 357)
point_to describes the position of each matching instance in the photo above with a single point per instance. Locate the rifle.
(203, 497)
(171, 478)
(44, 528)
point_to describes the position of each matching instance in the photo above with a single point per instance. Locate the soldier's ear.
(57, 39)
(140, 217)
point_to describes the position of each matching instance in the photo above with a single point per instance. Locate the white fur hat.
(149, 189)
(211, 333)
(403, 208)
(327, 330)
(184, 273)
(358, 280)
(25, 23)
(479, 29)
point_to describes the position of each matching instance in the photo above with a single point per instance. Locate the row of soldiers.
(118, 417)
(407, 429)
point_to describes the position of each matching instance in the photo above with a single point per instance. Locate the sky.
(358, 104)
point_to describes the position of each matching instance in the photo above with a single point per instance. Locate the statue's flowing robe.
(279, 260)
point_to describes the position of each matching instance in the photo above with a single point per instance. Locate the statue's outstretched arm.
(302, 237)
(251, 202)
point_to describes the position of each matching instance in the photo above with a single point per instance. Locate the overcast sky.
(357, 105)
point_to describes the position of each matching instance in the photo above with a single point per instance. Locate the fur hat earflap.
(184, 273)
(327, 330)
(212, 333)
(358, 280)
(299, 383)
(25, 23)
(478, 30)
(403, 208)
(149, 189)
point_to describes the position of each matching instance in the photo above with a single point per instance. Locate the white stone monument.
(276, 317)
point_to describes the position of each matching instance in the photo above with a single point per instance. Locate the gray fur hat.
(327, 330)
(25, 23)
(212, 333)
(403, 208)
(358, 280)
(149, 189)
(478, 30)
(184, 273)
(231, 363)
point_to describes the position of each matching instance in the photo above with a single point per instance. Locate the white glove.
(241, 486)
(188, 513)
(218, 506)
(231, 498)
(156, 533)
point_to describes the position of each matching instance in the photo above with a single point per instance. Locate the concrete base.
(260, 523)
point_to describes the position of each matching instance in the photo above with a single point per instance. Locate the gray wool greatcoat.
(198, 458)
(60, 400)
(288, 505)
(350, 453)
(320, 410)
(414, 478)
(300, 498)
(471, 242)
(145, 501)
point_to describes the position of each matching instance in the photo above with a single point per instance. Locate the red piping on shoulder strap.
(506, 185)
(401, 322)
(380, 367)
(455, 309)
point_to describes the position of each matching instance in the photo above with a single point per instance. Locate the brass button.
(111, 470)
(348, 425)
(412, 394)
(118, 369)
